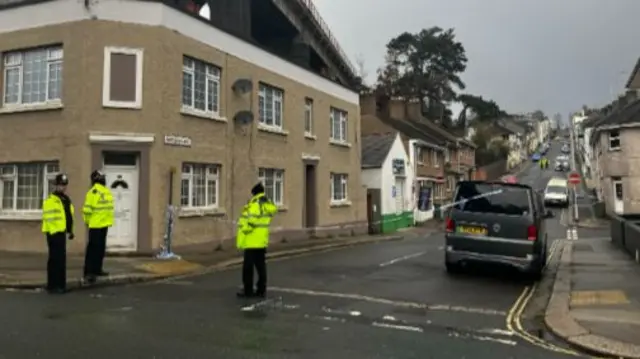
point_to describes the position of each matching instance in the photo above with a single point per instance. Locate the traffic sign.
(574, 178)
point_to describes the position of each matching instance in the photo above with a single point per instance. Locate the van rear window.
(492, 198)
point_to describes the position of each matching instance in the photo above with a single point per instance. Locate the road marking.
(399, 327)
(404, 304)
(403, 258)
(598, 297)
(572, 234)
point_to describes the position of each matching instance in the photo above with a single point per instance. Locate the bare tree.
(361, 67)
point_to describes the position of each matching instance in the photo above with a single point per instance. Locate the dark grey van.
(500, 223)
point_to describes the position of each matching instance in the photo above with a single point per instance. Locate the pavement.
(386, 299)
(28, 270)
(595, 303)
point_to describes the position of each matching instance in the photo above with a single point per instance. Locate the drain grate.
(582, 247)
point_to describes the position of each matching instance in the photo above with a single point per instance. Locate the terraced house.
(439, 157)
(183, 110)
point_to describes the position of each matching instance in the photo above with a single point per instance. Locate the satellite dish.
(242, 86)
(243, 117)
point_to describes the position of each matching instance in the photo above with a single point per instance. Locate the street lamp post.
(574, 167)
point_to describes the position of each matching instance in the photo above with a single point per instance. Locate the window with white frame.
(200, 86)
(122, 77)
(273, 181)
(33, 76)
(614, 140)
(339, 187)
(308, 116)
(338, 125)
(24, 186)
(434, 158)
(200, 186)
(270, 105)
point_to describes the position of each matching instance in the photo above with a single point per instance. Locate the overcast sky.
(524, 54)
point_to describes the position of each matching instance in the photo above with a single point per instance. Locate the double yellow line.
(514, 316)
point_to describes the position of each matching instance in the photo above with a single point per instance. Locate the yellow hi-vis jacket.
(53, 217)
(253, 225)
(98, 207)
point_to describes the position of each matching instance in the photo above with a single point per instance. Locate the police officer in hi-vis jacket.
(57, 225)
(253, 238)
(98, 216)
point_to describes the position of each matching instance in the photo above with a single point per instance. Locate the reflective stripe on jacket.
(253, 225)
(98, 207)
(53, 217)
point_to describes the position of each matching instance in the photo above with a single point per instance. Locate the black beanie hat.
(257, 189)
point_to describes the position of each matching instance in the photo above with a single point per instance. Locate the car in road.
(497, 223)
(557, 192)
(536, 157)
(565, 148)
(561, 163)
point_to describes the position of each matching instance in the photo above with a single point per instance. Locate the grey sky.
(525, 54)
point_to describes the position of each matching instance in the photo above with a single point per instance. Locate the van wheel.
(453, 268)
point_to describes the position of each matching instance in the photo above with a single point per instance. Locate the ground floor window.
(273, 181)
(200, 185)
(24, 186)
(339, 187)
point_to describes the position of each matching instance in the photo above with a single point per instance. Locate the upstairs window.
(614, 140)
(338, 125)
(270, 106)
(200, 86)
(308, 117)
(32, 77)
(122, 78)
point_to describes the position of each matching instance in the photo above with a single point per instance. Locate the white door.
(399, 195)
(123, 183)
(618, 197)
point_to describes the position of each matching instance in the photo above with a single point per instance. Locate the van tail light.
(450, 225)
(532, 233)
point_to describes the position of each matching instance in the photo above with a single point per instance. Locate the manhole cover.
(582, 248)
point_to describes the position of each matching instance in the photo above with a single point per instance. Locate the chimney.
(368, 104)
(414, 110)
(397, 108)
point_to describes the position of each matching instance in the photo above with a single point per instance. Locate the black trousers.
(254, 258)
(94, 255)
(57, 262)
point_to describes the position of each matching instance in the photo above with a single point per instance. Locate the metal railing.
(325, 28)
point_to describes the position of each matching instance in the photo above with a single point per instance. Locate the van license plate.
(477, 231)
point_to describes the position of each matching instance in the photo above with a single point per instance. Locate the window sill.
(340, 143)
(310, 136)
(122, 105)
(272, 129)
(200, 212)
(20, 216)
(615, 149)
(283, 208)
(338, 204)
(202, 114)
(33, 107)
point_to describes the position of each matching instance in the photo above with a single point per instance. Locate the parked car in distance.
(557, 192)
(497, 223)
(565, 148)
(536, 157)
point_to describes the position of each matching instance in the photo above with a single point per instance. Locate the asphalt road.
(385, 300)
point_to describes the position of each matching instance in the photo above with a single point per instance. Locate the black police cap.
(61, 180)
